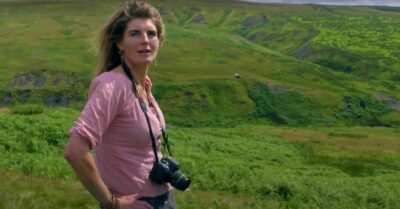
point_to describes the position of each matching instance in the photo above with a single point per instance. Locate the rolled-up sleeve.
(103, 105)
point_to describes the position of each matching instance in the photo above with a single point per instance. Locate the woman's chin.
(147, 62)
(143, 62)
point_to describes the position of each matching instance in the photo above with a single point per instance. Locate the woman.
(113, 123)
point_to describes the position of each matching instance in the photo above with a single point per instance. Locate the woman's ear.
(119, 45)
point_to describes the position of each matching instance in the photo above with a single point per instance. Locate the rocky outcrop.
(276, 88)
(390, 100)
(11, 84)
(164, 11)
(32, 87)
(195, 9)
(57, 100)
(39, 82)
(257, 36)
(199, 19)
(6, 100)
(189, 95)
(25, 95)
(57, 80)
(263, 36)
(254, 21)
(303, 52)
(22, 80)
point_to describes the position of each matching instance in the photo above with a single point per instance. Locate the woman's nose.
(145, 38)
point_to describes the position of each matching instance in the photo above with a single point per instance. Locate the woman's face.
(140, 42)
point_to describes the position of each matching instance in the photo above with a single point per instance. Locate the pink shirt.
(115, 127)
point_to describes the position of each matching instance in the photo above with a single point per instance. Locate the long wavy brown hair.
(114, 29)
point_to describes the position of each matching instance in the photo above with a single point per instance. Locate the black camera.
(166, 170)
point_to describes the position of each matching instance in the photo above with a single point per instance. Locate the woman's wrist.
(112, 203)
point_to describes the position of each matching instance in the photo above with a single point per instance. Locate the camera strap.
(144, 109)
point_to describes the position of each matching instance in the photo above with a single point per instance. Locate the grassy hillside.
(322, 54)
(242, 167)
(313, 122)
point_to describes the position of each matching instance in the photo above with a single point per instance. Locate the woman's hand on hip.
(132, 202)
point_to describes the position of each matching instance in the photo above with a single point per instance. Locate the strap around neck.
(144, 109)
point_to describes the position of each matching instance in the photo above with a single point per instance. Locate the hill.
(319, 64)
(294, 131)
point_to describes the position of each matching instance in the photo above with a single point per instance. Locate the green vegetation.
(367, 110)
(312, 122)
(33, 143)
(322, 53)
(28, 109)
(278, 167)
(288, 107)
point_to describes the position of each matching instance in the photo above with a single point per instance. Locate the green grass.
(321, 161)
(53, 44)
(31, 192)
(248, 166)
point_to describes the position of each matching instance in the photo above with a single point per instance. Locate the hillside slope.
(298, 64)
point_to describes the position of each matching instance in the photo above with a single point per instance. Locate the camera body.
(167, 170)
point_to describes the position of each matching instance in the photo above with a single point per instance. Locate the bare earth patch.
(352, 140)
(254, 21)
(391, 100)
(199, 19)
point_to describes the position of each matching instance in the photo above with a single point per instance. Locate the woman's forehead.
(141, 24)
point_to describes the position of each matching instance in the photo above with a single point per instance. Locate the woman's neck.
(139, 73)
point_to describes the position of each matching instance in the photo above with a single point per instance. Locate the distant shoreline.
(333, 3)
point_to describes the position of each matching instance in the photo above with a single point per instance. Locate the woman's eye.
(151, 34)
(135, 34)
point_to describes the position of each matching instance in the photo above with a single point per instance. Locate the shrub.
(27, 109)
(364, 110)
(289, 107)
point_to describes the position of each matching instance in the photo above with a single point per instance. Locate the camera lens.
(159, 173)
(180, 181)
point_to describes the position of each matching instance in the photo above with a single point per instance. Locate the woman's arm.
(78, 155)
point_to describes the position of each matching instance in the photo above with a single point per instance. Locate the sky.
(392, 3)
